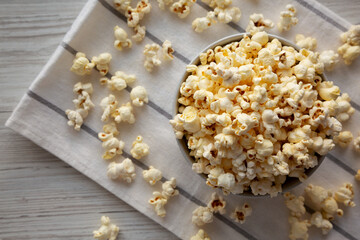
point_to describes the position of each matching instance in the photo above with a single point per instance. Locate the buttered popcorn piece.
(240, 213)
(287, 18)
(298, 228)
(139, 96)
(111, 144)
(350, 50)
(200, 235)
(217, 203)
(124, 170)
(151, 56)
(76, 117)
(167, 50)
(81, 65)
(202, 216)
(319, 221)
(139, 149)
(295, 204)
(329, 58)
(102, 62)
(108, 105)
(306, 42)
(124, 114)
(152, 175)
(258, 23)
(182, 7)
(343, 139)
(119, 81)
(159, 202)
(139, 33)
(345, 195)
(168, 188)
(107, 230)
(135, 15)
(121, 39)
(203, 23)
(344, 108)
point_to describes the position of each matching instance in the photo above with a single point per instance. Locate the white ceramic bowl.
(290, 181)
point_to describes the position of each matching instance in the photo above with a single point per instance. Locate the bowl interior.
(290, 182)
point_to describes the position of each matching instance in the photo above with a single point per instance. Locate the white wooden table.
(42, 197)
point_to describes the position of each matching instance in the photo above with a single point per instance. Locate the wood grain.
(41, 197)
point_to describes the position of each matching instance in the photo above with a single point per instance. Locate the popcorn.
(122, 40)
(217, 204)
(295, 204)
(167, 50)
(76, 117)
(306, 42)
(345, 195)
(226, 15)
(287, 18)
(139, 96)
(203, 23)
(168, 188)
(159, 202)
(182, 7)
(163, 3)
(124, 170)
(350, 50)
(344, 109)
(102, 62)
(122, 4)
(356, 144)
(135, 15)
(202, 215)
(299, 229)
(329, 58)
(111, 129)
(257, 23)
(357, 175)
(318, 221)
(151, 56)
(139, 149)
(108, 105)
(152, 175)
(107, 230)
(119, 81)
(328, 91)
(343, 139)
(240, 214)
(200, 235)
(111, 145)
(81, 65)
(140, 32)
(124, 114)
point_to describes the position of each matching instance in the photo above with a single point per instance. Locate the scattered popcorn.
(357, 175)
(111, 145)
(119, 81)
(287, 18)
(102, 63)
(111, 129)
(168, 188)
(81, 65)
(345, 195)
(108, 105)
(139, 96)
(139, 149)
(324, 201)
(167, 50)
(254, 112)
(151, 56)
(350, 50)
(329, 58)
(124, 114)
(163, 3)
(121, 39)
(240, 214)
(203, 23)
(202, 215)
(140, 32)
(298, 229)
(135, 15)
(107, 230)
(82, 105)
(257, 23)
(152, 175)
(122, 4)
(217, 203)
(306, 42)
(318, 221)
(182, 7)
(200, 235)
(343, 139)
(124, 170)
(159, 202)
(295, 204)
(226, 15)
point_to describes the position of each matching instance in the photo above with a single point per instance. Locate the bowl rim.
(291, 182)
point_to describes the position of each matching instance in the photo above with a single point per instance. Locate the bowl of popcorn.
(255, 114)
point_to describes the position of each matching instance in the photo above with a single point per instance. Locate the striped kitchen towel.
(40, 115)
